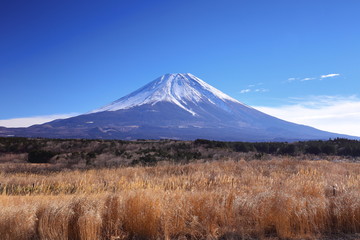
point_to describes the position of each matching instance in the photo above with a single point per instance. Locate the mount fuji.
(175, 106)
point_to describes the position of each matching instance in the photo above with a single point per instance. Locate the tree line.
(337, 146)
(40, 150)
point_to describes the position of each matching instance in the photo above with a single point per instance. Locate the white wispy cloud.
(304, 79)
(254, 88)
(257, 90)
(245, 90)
(330, 75)
(261, 90)
(307, 79)
(29, 121)
(330, 113)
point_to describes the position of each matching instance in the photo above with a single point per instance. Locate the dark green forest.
(338, 147)
(98, 152)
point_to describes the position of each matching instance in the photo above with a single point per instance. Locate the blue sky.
(298, 60)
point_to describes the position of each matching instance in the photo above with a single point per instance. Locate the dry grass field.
(279, 198)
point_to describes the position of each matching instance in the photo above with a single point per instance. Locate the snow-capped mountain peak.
(182, 89)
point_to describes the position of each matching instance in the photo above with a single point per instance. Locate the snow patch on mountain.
(180, 89)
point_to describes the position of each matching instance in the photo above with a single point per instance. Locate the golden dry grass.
(281, 198)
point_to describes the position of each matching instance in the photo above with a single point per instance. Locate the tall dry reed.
(280, 198)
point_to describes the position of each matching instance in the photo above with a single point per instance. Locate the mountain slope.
(177, 106)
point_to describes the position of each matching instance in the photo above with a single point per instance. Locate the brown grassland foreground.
(269, 199)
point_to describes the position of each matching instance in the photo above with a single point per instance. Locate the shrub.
(313, 150)
(40, 156)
